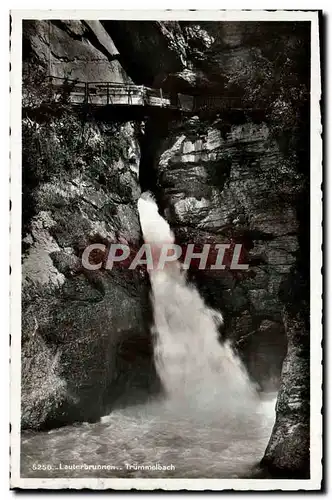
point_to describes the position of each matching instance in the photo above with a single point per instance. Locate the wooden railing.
(128, 94)
(119, 94)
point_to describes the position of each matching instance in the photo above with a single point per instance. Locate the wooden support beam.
(86, 93)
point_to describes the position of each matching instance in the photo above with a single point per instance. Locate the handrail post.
(86, 93)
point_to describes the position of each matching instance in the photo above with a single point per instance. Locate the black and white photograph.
(166, 284)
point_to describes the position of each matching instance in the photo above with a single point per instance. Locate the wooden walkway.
(119, 94)
(102, 94)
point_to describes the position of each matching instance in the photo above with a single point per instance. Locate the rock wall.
(85, 338)
(150, 50)
(76, 320)
(288, 451)
(79, 50)
(228, 183)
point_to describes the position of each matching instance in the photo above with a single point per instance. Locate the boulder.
(288, 451)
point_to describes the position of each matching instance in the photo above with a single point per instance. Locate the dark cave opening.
(155, 132)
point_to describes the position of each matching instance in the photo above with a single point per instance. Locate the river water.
(210, 421)
(146, 435)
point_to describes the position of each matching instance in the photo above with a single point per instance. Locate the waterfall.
(200, 375)
(207, 423)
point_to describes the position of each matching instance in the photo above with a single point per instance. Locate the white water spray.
(209, 424)
(199, 374)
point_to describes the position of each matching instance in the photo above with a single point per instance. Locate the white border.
(316, 239)
(316, 261)
(178, 15)
(15, 245)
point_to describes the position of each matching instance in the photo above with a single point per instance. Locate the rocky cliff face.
(228, 183)
(139, 42)
(80, 50)
(288, 451)
(82, 329)
(235, 176)
(77, 321)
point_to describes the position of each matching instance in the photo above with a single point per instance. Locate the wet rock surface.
(223, 188)
(76, 319)
(288, 451)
